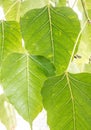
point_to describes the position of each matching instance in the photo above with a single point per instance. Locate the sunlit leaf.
(10, 39)
(67, 99)
(22, 79)
(51, 32)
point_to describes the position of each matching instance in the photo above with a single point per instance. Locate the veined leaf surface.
(22, 79)
(10, 38)
(67, 99)
(51, 32)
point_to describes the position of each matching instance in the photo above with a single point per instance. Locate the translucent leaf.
(67, 99)
(10, 39)
(51, 32)
(22, 79)
(13, 9)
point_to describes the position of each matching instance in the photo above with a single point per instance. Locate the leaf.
(88, 6)
(67, 99)
(10, 39)
(22, 79)
(51, 32)
(84, 49)
(7, 115)
(61, 2)
(11, 9)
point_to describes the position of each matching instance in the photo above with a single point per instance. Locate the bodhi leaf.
(67, 99)
(22, 79)
(7, 115)
(51, 32)
(84, 49)
(13, 9)
(10, 39)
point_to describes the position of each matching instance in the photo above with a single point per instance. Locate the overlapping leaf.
(26, 5)
(67, 99)
(22, 79)
(10, 38)
(13, 9)
(51, 32)
(84, 49)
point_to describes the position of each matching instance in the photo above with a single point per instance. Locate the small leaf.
(22, 79)
(67, 99)
(51, 32)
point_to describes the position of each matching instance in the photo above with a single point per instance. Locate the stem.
(76, 45)
(31, 126)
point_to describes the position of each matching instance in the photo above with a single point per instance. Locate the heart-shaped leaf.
(51, 32)
(67, 99)
(22, 79)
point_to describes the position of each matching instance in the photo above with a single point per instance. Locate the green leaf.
(67, 99)
(88, 6)
(11, 9)
(10, 39)
(61, 2)
(84, 49)
(22, 79)
(51, 32)
(7, 115)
